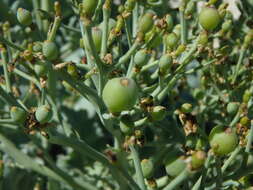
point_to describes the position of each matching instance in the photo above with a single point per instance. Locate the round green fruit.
(146, 23)
(89, 7)
(43, 114)
(172, 40)
(232, 108)
(209, 18)
(24, 17)
(18, 114)
(41, 68)
(158, 113)
(141, 57)
(50, 50)
(198, 159)
(223, 140)
(120, 94)
(174, 166)
(147, 167)
(165, 63)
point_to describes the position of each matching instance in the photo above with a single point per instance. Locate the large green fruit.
(209, 18)
(223, 140)
(120, 94)
(50, 50)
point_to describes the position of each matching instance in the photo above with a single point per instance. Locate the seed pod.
(89, 7)
(198, 159)
(147, 167)
(165, 63)
(186, 108)
(146, 23)
(41, 68)
(18, 114)
(180, 49)
(174, 166)
(169, 21)
(126, 124)
(223, 140)
(43, 114)
(232, 108)
(24, 17)
(50, 50)
(209, 18)
(141, 57)
(158, 113)
(129, 5)
(245, 121)
(120, 94)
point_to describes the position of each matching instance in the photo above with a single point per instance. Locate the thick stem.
(178, 180)
(5, 68)
(137, 166)
(56, 25)
(237, 68)
(106, 16)
(250, 138)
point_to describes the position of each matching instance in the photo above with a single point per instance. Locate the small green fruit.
(186, 108)
(141, 57)
(41, 68)
(174, 166)
(89, 7)
(245, 121)
(158, 113)
(209, 18)
(223, 140)
(169, 21)
(147, 167)
(146, 23)
(24, 17)
(198, 159)
(165, 63)
(120, 94)
(18, 114)
(50, 50)
(126, 124)
(232, 108)
(172, 40)
(43, 114)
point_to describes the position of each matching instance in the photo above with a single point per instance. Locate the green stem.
(56, 25)
(8, 98)
(8, 147)
(219, 173)
(250, 138)
(135, 19)
(237, 68)
(178, 180)
(45, 5)
(230, 159)
(5, 68)
(37, 15)
(106, 16)
(183, 26)
(10, 44)
(138, 170)
(7, 121)
(97, 11)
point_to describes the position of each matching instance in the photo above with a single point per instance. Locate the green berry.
(198, 159)
(232, 108)
(172, 40)
(169, 21)
(147, 167)
(50, 50)
(186, 108)
(223, 140)
(43, 114)
(165, 63)
(146, 23)
(126, 124)
(18, 114)
(245, 121)
(120, 94)
(158, 113)
(209, 18)
(141, 57)
(41, 68)
(24, 17)
(174, 166)
(89, 7)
